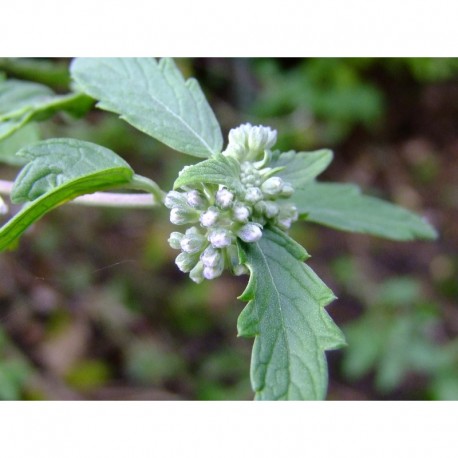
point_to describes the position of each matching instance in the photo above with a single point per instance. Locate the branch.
(102, 199)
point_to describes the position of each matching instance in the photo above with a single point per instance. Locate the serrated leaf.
(300, 168)
(24, 101)
(342, 206)
(59, 170)
(219, 170)
(155, 98)
(286, 315)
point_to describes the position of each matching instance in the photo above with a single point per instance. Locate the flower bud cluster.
(220, 215)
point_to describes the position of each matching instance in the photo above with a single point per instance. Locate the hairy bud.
(250, 232)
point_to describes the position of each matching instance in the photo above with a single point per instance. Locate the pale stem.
(110, 199)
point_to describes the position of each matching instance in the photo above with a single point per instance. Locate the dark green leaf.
(300, 168)
(58, 171)
(343, 207)
(219, 170)
(286, 316)
(155, 98)
(23, 101)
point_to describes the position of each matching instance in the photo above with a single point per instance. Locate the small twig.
(102, 199)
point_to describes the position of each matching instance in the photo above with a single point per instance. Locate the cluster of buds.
(219, 215)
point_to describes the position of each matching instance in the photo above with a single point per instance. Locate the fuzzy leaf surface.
(218, 170)
(58, 171)
(286, 315)
(24, 101)
(342, 206)
(155, 98)
(300, 168)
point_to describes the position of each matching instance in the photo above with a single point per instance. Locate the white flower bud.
(261, 138)
(272, 186)
(220, 238)
(211, 257)
(240, 212)
(240, 269)
(224, 198)
(267, 208)
(209, 217)
(284, 223)
(175, 239)
(213, 272)
(197, 273)
(183, 215)
(287, 190)
(253, 195)
(192, 242)
(175, 199)
(195, 199)
(250, 233)
(186, 261)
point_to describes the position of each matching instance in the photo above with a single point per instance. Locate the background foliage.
(93, 307)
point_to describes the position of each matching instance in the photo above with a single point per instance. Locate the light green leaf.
(59, 170)
(155, 98)
(300, 168)
(220, 170)
(342, 206)
(287, 317)
(24, 101)
(11, 145)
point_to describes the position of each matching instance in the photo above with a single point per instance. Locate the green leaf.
(24, 101)
(155, 98)
(343, 207)
(219, 170)
(300, 168)
(287, 317)
(11, 145)
(59, 170)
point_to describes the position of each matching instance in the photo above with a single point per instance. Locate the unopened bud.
(272, 186)
(186, 261)
(174, 199)
(213, 272)
(193, 241)
(211, 257)
(209, 217)
(183, 215)
(195, 199)
(220, 238)
(253, 195)
(240, 212)
(287, 190)
(224, 198)
(240, 269)
(267, 208)
(175, 240)
(250, 232)
(197, 273)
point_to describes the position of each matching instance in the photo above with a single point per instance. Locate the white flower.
(250, 232)
(174, 199)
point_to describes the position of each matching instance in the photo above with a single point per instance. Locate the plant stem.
(112, 199)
